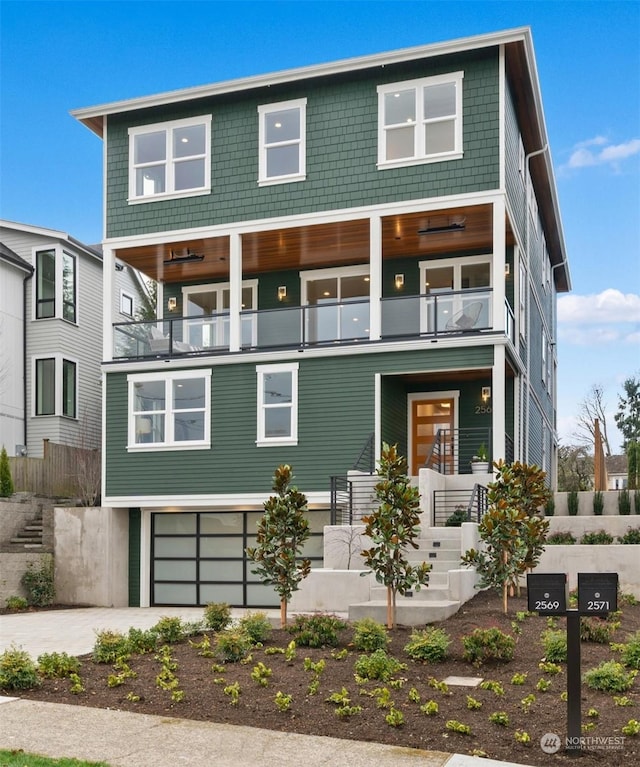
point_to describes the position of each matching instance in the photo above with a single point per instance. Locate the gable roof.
(54, 234)
(6, 254)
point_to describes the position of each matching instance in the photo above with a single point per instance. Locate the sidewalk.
(139, 740)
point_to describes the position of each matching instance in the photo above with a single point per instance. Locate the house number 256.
(483, 409)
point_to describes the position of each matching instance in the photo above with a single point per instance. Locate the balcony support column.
(498, 264)
(235, 291)
(375, 277)
(498, 394)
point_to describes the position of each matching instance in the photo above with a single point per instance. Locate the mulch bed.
(313, 714)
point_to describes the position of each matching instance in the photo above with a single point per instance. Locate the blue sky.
(58, 56)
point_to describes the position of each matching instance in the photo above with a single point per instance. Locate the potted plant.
(480, 461)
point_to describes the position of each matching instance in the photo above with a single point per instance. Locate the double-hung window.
(420, 121)
(170, 411)
(55, 285)
(55, 386)
(171, 159)
(277, 404)
(282, 138)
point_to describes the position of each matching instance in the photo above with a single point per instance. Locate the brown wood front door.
(427, 417)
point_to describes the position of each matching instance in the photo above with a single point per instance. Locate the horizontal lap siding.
(336, 416)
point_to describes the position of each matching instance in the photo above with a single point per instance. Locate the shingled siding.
(342, 116)
(336, 416)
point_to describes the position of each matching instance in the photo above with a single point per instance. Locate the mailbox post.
(597, 595)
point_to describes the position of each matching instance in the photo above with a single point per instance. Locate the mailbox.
(597, 593)
(547, 593)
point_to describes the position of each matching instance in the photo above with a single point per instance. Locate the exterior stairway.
(441, 548)
(30, 538)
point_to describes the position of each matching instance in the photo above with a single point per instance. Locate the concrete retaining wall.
(585, 504)
(18, 511)
(92, 556)
(13, 566)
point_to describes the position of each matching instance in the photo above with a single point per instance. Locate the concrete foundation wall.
(585, 504)
(12, 567)
(92, 556)
(332, 591)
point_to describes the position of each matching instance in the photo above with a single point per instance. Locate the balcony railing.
(347, 322)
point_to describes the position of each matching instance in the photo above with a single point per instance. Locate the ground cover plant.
(391, 692)
(20, 758)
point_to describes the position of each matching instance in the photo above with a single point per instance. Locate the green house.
(346, 254)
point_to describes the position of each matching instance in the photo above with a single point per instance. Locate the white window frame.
(221, 318)
(169, 443)
(419, 155)
(58, 383)
(58, 299)
(265, 110)
(521, 160)
(126, 297)
(522, 304)
(169, 163)
(545, 352)
(261, 371)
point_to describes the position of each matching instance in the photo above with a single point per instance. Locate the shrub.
(428, 644)
(233, 645)
(624, 502)
(6, 483)
(564, 538)
(17, 604)
(601, 537)
(57, 665)
(555, 646)
(609, 676)
(594, 629)
(140, 641)
(169, 629)
(316, 630)
(630, 651)
(636, 502)
(369, 635)
(550, 507)
(598, 503)
(256, 626)
(39, 584)
(486, 645)
(572, 502)
(109, 646)
(378, 665)
(17, 670)
(499, 717)
(217, 616)
(459, 516)
(631, 536)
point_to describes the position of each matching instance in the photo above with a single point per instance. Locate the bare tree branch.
(592, 408)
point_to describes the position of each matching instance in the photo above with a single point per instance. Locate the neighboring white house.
(51, 337)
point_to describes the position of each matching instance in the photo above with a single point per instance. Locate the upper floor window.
(55, 386)
(420, 120)
(277, 404)
(171, 159)
(126, 304)
(170, 411)
(282, 142)
(55, 285)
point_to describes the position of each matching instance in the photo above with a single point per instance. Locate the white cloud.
(584, 155)
(609, 307)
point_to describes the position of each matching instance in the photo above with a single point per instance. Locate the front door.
(429, 415)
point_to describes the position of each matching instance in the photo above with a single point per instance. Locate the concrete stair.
(439, 547)
(30, 538)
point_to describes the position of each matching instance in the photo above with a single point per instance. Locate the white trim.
(377, 416)
(123, 295)
(419, 122)
(167, 377)
(59, 252)
(224, 500)
(301, 142)
(502, 130)
(169, 162)
(522, 35)
(262, 370)
(58, 372)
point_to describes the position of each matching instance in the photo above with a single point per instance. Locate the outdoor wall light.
(486, 393)
(282, 292)
(172, 303)
(399, 281)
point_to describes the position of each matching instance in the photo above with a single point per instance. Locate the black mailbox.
(547, 593)
(597, 593)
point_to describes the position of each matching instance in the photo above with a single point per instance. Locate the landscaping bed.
(208, 694)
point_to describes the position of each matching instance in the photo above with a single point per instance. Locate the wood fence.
(65, 471)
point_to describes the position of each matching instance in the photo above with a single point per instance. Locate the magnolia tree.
(392, 527)
(282, 532)
(512, 532)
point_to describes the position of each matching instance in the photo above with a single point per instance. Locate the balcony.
(445, 314)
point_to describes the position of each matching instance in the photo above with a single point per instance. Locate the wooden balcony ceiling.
(318, 246)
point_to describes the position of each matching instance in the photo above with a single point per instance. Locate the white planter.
(480, 467)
